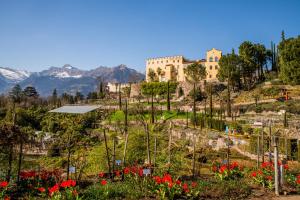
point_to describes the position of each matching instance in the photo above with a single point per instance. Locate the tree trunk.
(194, 106)
(228, 100)
(152, 107)
(168, 97)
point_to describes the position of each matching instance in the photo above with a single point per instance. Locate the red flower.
(157, 179)
(194, 184)
(259, 172)
(298, 181)
(140, 172)
(269, 178)
(68, 183)
(133, 170)
(53, 189)
(185, 187)
(117, 173)
(234, 165)
(3, 184)
(170, 184)
(103, 182)
(6, 198)
(101, 174)
(285, 166)
(126, 170)
(223, 168)
(178, 182)
(27, 174)
(167, 178)
(41, 189)
(254, 174)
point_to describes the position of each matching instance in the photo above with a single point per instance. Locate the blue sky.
(37, 34)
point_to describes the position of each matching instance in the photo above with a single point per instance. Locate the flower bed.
(227, 172)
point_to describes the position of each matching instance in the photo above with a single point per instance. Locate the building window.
(216, 67)
(173, 61)
(209, 76)
(210, 67)
(210, 59)
(216, 59)
(161, 61)
(177, 60)
(166, 61)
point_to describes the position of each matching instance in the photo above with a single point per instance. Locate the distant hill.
(66, 78)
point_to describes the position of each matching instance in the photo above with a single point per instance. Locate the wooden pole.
(20, 160)
(125, 149)
(155, 149)
(270, 142)
(263, 145)
(228, 150)
(169, 146)
(152, 107)
(114, 158)
(126, 133)
(187, 118)
(120, 97)
(194, 154)
(286, 147)
(276, 166)
(168, 97)
(258, 150)
(194, 105)
(69, 155)
(148, 145)
(107, 153)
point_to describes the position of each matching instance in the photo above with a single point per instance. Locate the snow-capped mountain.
(67, 78)
(67, 71)
(13, 75)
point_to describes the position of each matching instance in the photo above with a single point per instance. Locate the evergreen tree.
(16, 94)
(30, 91)
(289, 60)
(229, 70)
(54, 97)
(78, 96)
(282, 36)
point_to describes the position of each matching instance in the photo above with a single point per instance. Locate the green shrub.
(116, 190)
(248, 129)
(272, 91)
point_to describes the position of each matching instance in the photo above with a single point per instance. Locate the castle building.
(171, 68)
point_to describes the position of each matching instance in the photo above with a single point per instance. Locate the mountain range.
(67, 78)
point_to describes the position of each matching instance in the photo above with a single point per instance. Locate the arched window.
(216, 59)
(216, 67)
(210, 59)
(210, 67)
